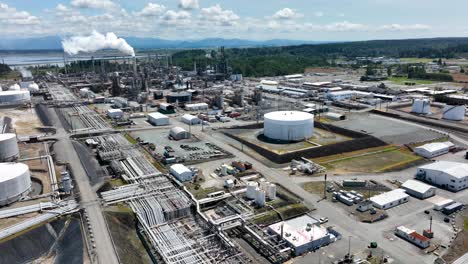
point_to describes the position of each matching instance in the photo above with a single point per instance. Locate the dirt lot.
(460, 244)
(24, 121)
(460, 77)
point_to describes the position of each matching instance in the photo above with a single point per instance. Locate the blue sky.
(248, 19)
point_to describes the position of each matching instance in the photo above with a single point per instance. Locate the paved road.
(361, 233)
(88, 198)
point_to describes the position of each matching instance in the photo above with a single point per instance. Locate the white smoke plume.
(25, 72)
(96, 41)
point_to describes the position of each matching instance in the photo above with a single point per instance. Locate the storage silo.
(251, 190)
(271, 191)
(421, 106)
(454, 112)
(289, 125)
(15, 182)
(260, 197)
(8, 147)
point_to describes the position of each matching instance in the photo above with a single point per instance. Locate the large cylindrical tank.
(454, 112)
(271, 191)
(251, 193)
(8, 147)
(33, 87)
(421, 106)
(14, 87)
(15, 182)
(14, 97)
(289, 125)
(260, 197)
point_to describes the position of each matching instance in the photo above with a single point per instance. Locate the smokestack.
(134, 65)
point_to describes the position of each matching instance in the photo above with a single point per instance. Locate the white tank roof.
(12, 170)
(289, 116)
(7, 136)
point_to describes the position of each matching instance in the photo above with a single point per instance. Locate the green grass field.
(375, 160)
(402, 80)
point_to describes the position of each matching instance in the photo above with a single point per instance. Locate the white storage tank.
(15, 97)
(271, 191)
(289, 125)
(8, 147)
(33, 87)
(15, 182)
(454, 112)
(421, 106)
(251, 190)
(14, 87)
(260, 197)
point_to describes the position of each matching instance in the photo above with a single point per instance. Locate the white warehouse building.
(432, 150)
(449, 175)
(289, 125)
(181, 172)
(158, 119)
(15, 182)
(8, 147)
(418, 189)
(196, 107)
(178, 133)
(191, 119)
(390, 199)
(115, 113)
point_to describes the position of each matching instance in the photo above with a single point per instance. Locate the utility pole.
(325, 188)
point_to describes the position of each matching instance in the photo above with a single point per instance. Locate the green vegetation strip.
(403, 80)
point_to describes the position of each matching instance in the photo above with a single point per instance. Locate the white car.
(323, 220)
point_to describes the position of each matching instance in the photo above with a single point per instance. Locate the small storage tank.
(251, 190)
(8, 147)
(14, 87)
(271, 192)
(454, 112)
(66, 182)
(33, 87)
(15, 182)
(260, 197)
(421, 106)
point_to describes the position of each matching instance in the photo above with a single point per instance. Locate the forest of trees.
(4, 69)
(293, 59)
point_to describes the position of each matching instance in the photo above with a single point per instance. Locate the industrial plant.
(153, 162)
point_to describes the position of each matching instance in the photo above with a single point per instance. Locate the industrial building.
(191, 119)
(181, 172)
(15, 182)
(412, 236)
(441, 202)
(449, 175)
(14, 97)
(179, 133)
(196, 107)
(8, 147)
(158, 119)
(346, 95)
(418, 189)
(432, 150)
(289, 125)
(390, 199)
(302, 234)
(115, 113)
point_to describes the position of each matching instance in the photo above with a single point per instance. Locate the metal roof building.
(302, 234)
(181, 172)
(446, 174)
(390, 199)
(432, 150)
(158, 119)
(418, 189)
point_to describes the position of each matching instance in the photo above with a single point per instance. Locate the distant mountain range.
(54, 43)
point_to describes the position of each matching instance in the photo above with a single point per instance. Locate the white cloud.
(95, 4)
(11, 16)
(344, 26)
(188, 4)
(399, 27)
(62, 8)
(151, 9)
(172, 17)
(219, 15)
(286, 13)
